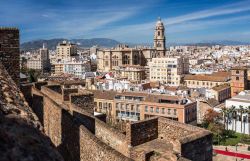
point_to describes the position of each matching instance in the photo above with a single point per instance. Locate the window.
(110, 106)
(157, 110)
(237, 72)
(137, 108)
(146, 108)
(163, 110)
(117, 105)
(174, 111)
(151, 109)
(100, 104)
(159, 33)
(132, 107)
(169, 111)
(237, 78)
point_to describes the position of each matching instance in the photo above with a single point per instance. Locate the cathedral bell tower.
(159, 37)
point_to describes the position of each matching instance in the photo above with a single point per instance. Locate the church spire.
(159, 36)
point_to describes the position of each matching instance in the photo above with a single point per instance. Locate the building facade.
(239, 119)
(109, 59)
(40, 61)
(134, 106)
(238, 80)
(132, 73)
(207, 80)
(65, 50)
(73, 65)
(168, 70)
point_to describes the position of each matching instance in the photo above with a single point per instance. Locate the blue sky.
(186, 21)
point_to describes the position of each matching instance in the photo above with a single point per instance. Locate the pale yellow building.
(168, 70)
(65, 50)
(132, 72)
(207, 80)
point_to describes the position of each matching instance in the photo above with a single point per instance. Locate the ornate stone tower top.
(159, 37)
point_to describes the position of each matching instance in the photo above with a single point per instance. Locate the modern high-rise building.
(9, 51)
(65, 50)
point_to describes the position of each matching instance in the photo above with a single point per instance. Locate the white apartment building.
(65, 50)
(39, 61)
(239, 121)
(168, 70)
(75, 66)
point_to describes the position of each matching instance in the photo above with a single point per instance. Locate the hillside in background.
(84, 43)
(108, 43)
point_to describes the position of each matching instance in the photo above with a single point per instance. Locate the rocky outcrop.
(21, 134)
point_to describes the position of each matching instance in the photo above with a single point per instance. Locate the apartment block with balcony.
(168, 70)
(134, 106)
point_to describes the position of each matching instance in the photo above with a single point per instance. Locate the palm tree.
(248, 113)
(224, 112)
(241, 113)
(232, 109)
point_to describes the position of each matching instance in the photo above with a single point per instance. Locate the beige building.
(221, 92)
(40, 61)
(207, 80)
(134, 106)
(109, 59)
(58, 68)
(132, 73)
(169, 70)
(65, 50)
(122, 55)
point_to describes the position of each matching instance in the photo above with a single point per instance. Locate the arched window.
(126, 59)
(159, 33)
(135, 60)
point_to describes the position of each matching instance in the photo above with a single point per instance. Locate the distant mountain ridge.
(84, 43)
(105, 42)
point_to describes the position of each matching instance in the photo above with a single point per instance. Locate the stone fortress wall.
(21, 133)
(9, 51)
(67, 117)
(59, 123)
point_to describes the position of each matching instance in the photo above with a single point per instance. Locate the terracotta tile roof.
(99, 94)
(221, 87)
(209, 77)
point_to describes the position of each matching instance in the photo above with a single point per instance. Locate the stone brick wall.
(187, 140)
(52, 120)
(83, 100)
(54, 92)
(38, 85)
(85, 119)
(70, 145)
(67, 91)
(37, 104)
(9, 52)
(199, 149)
(142, 131)
(111, 137)
(26, 90)
(21, 134)
(91, 148)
